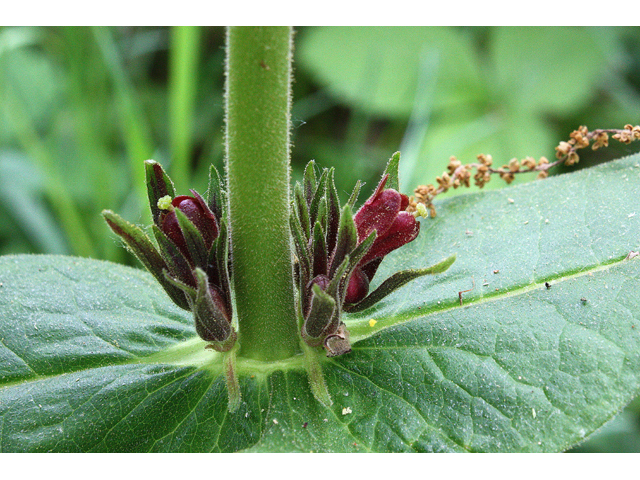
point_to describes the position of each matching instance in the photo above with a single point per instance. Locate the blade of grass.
(185, 51)
(416, 131)
(88, 80)
(135, 128)
(63, 204)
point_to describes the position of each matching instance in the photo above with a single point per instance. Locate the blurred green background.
(82, 108)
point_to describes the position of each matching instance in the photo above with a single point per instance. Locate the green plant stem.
(185, 50)
(258, 105)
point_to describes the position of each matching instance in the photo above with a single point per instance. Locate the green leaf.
(536, 67)
(376, 68)
(95, 357)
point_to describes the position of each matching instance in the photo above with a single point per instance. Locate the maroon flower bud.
(337, 253)
(358, 286)
(191, 259)
(197, 211)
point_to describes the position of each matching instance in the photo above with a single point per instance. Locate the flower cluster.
(338, 253)
(191, 259)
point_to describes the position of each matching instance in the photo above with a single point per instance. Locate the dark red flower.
(384, 213)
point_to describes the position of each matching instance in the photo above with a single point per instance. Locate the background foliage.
(81, 108)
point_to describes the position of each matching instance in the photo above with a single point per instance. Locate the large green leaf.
(94, 357)
(377, 68)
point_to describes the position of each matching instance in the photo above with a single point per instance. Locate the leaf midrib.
(360, 329)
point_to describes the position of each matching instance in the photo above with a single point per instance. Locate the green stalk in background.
(258, 105)
(62, 202)
(185, 50)
(135, 128)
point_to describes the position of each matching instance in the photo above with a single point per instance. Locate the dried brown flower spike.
(458, 174)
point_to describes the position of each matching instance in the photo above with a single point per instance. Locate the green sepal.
(333, 211)
(360, 251)
(219, 256)
(158, 185)
(317, 197)
(396, 281)
(189, 291)
(194, 240)
(309, 181)
(322, 214)
(177, 265)
(319, 317)
(392, 171)
(354, 194)
(337, 291)
(141, 246)
(343, 274)
(319, 251)
(211, 322)
(337, 279)
(347, 239)
(301, 209)
(302, 251)
(351, 261)
(216, 198)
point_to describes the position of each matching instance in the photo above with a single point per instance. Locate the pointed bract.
(140, 245)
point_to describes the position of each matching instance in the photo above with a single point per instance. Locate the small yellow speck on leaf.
(372, 322)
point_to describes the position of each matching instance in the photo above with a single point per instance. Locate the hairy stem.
(258, 104)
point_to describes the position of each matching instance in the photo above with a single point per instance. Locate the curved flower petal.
(378, 212)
